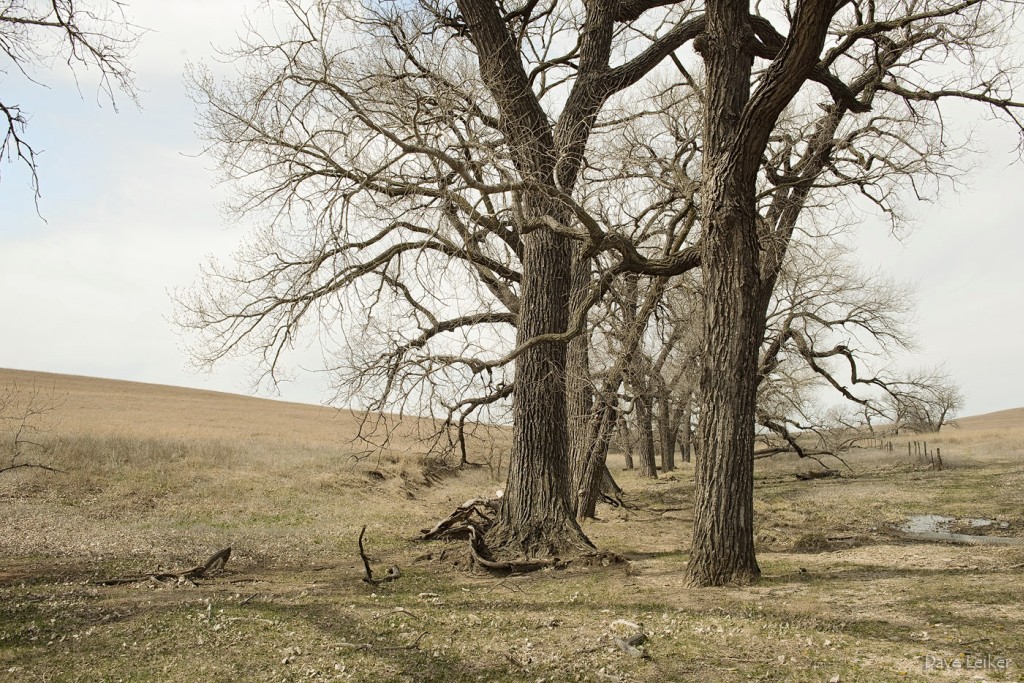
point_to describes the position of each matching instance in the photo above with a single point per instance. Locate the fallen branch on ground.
(474, 512)
(31, 465)
(200, 571)
(391, 574)
(629, 645)
(822, 474)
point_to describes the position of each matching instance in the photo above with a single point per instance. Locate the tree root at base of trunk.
(474, 518)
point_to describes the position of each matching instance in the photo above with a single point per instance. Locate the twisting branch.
(392, 571)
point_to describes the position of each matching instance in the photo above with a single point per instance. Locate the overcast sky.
(131, 211)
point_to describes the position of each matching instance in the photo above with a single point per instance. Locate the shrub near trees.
(430, 177)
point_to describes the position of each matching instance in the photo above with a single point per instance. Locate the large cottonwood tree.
(877, 65)
(454, 138)
(422, 162)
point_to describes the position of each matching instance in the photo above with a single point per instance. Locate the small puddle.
(936, 528)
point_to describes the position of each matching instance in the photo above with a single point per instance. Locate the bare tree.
(925, 401)
(26, 417)
(416, 171)
(85, 35)
(879, 115)
(429, 145)
(831, 331)
(845, 110)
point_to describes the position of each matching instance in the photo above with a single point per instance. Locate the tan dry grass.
(842, 594)
(91, 406)
(1012, 419)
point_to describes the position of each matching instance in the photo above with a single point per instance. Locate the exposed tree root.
(474, 518)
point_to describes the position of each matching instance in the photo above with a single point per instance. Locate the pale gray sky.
(131, 212)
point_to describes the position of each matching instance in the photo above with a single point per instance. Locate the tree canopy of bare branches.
(89, 37)
(432, 177)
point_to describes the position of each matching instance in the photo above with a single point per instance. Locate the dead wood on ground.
(476, 513)
(629, 645)
(822, 474)
(200, 571)
(391, 574)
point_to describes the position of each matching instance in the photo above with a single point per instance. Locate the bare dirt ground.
(844, 596)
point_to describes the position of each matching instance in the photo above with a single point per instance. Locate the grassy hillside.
(101, 407)
(1002, 419)
(155, 479)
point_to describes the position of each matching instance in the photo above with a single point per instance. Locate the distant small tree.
(85, 35)
(926, 401)
(26, 415)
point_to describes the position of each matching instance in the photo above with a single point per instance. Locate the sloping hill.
(94, 406)
(1001, 419)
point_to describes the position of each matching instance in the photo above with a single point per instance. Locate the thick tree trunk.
(723, 523)
(646, 466)
(536, 518)
(723, 533)
(666, 433)
(580, 395)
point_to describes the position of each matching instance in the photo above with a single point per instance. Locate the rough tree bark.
(723, 539)
(667, 432)
(595, 471)
(535, 519)
(578, 382)
(736, 129)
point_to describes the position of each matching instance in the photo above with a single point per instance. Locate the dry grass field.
(155, 479)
